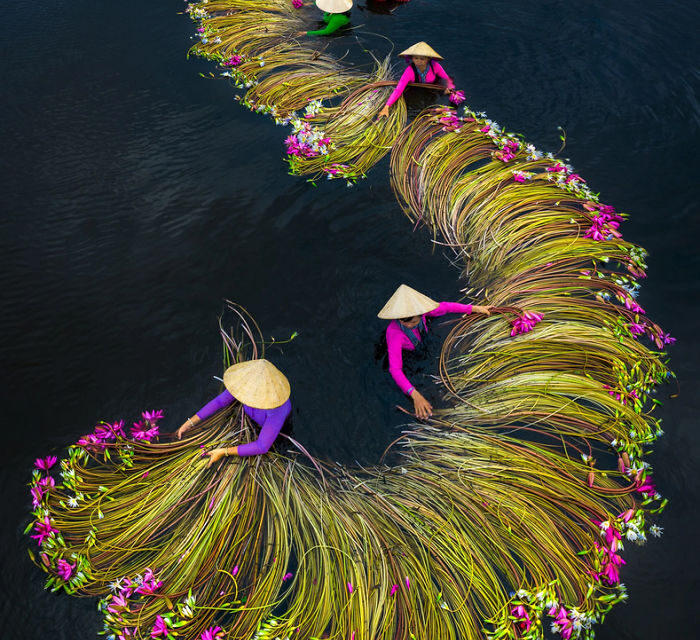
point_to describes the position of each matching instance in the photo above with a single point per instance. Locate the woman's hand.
(484, 310)
(384, 113)
(215, 455)
(422, 407)
(186, 426)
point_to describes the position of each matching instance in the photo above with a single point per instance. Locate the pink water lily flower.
(152, 416)
(457, 97)
(65, 569)
(160, 628)
(212, 633)
(522, 616)
(149, 585)
(636, 328)
(47, 483)
(44, 530)
(117, 604)
(37, 496)
(140, 431)
(525, 323)
(233, 61)
(45, 463)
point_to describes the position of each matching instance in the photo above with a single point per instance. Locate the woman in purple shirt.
(408, 309)
(422, 68)
(263, 390)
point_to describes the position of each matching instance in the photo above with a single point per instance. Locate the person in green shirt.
(336, 15)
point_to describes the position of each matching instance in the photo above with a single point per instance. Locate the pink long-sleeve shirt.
(397, 341)
(435, 71)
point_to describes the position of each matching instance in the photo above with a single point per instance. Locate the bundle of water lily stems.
(502, 517)
(331, 106)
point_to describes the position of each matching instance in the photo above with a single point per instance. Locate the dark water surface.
(136, 196)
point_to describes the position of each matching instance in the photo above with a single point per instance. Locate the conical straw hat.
(257, 383)
(421, 49)
(406, 303)
(334, 6)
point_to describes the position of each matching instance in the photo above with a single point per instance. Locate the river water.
(137, 196)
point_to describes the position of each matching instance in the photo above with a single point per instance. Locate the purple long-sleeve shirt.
(434, 72)
(270, 421)
(397, 341)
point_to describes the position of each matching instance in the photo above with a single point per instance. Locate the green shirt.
(334, 21)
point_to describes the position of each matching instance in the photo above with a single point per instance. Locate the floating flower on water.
(65, 569)
(286, 576)
(350, 587)
(408, 583)
(45, 463)
(297, 4)
(213, 633)
(655, 530)
(457, 97)
(394, 588)
(235, 570)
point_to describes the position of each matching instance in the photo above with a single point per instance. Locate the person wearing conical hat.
(336, 15)
(408, 311)
(263, 390)
(422, 68)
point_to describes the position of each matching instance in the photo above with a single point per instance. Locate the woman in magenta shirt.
(423, 68)
(263, 390)
(408, 309)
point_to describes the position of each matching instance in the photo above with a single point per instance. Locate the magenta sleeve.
(270, 429)
(224, 399)
(406, 77)
(449, 307)
(394, 348)
(440, 73)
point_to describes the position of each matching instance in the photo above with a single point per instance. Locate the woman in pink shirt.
(423, 68)
(408, 309)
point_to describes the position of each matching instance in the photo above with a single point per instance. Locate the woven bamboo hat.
(422, 49)
(257, 383)
(406, 303)
(334, 6)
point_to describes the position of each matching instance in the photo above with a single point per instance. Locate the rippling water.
(137, 196)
